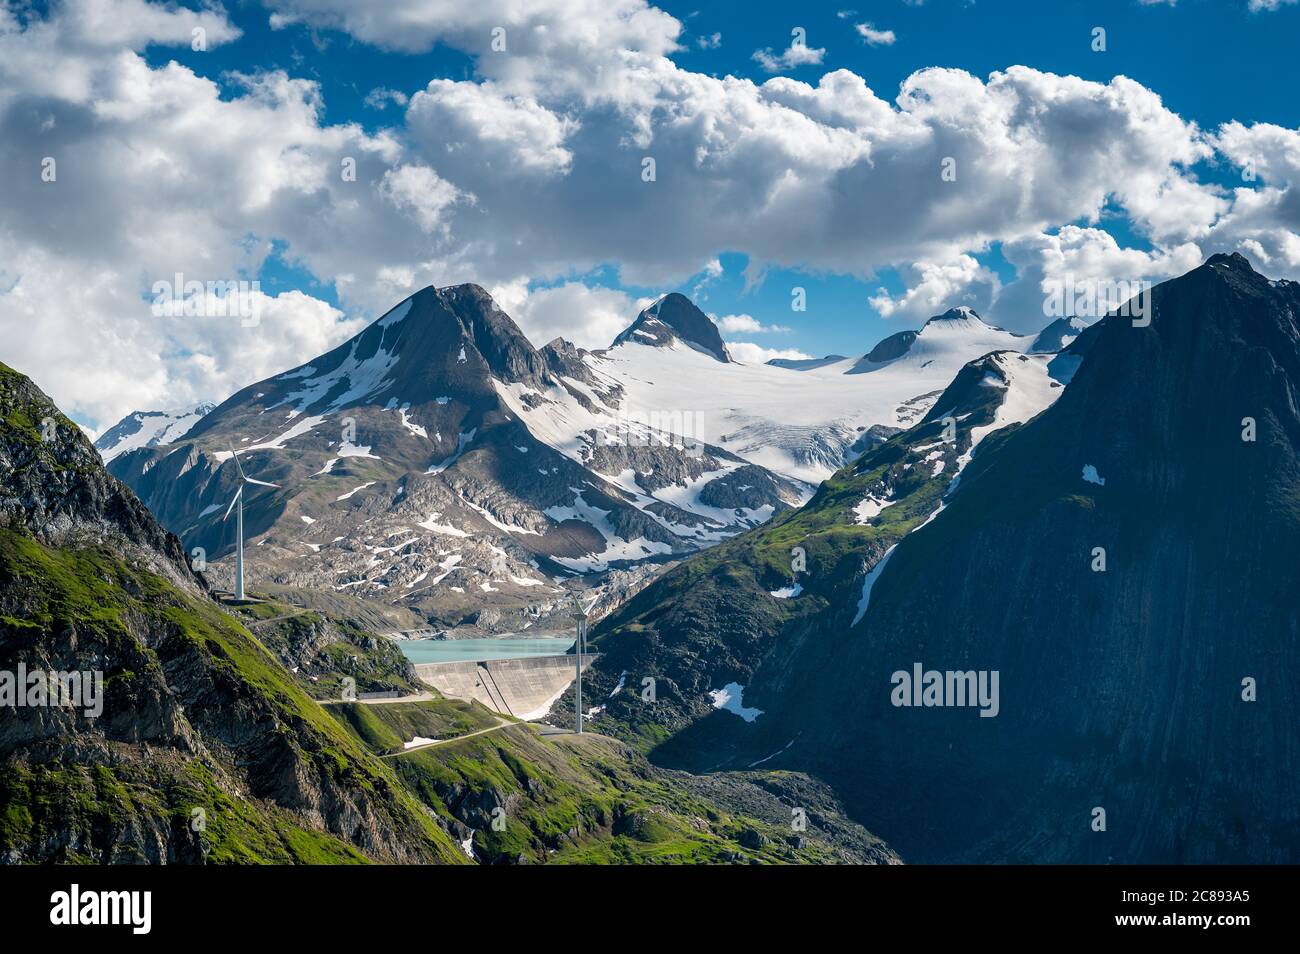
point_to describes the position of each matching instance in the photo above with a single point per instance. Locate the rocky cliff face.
(202, 748)
(439, 462)
(53, 486)
(1121, 688)
(1124, 562)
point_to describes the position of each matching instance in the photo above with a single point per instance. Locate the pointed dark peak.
(444, 327)
(1235, 269)
(506, 349)
(960, 313)
(466, 295)
(469, 304)
(1222, 315)
(1233, 260)
(437, 341)
(895, 346)
(675, 317)
(1057, 335)
(563, 347)
(564, 358)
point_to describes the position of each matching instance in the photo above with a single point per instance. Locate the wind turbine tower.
(580, 618)
(237, 504)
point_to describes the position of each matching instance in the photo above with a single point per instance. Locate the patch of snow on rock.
(355, 489)
(731, 699)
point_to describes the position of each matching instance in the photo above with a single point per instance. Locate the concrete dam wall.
(524, 688)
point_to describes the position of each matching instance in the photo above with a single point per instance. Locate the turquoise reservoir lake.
(459, 650)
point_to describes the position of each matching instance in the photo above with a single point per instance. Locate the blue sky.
(1207, 58)
(1210, 61)
(521, 171)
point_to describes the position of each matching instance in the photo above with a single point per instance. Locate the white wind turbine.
(239, 522)
(580, 617)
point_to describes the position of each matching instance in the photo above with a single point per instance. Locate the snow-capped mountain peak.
(1058, 335)
(672, 318)
(950, 339)
(960, 313)
(499, 467)
(149, 429)
(437, 456)
(960, 320)
(799, 419)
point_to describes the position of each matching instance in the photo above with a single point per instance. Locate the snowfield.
(799, 420)
(730, 698)
(800, 423)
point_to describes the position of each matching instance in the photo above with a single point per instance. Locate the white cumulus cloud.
(746, 352)
(796, 54)
(873, 37)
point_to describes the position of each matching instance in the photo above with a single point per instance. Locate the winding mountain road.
(469, 735)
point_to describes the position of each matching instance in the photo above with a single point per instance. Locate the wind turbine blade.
(235, 454)
(260, 483)
(233, 500)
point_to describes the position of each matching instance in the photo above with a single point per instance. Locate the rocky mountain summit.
(439, 461)
(1058, 335)
(675, 317)
(440, 464)
(149, 429)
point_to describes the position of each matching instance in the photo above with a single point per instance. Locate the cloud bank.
(532, 173)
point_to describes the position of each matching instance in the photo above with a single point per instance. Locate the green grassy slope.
(205, 749)
(90, 786)
(321, 649)
(585, 800)
(385, 727)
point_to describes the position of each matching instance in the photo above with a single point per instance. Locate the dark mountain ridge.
(1121, 689)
